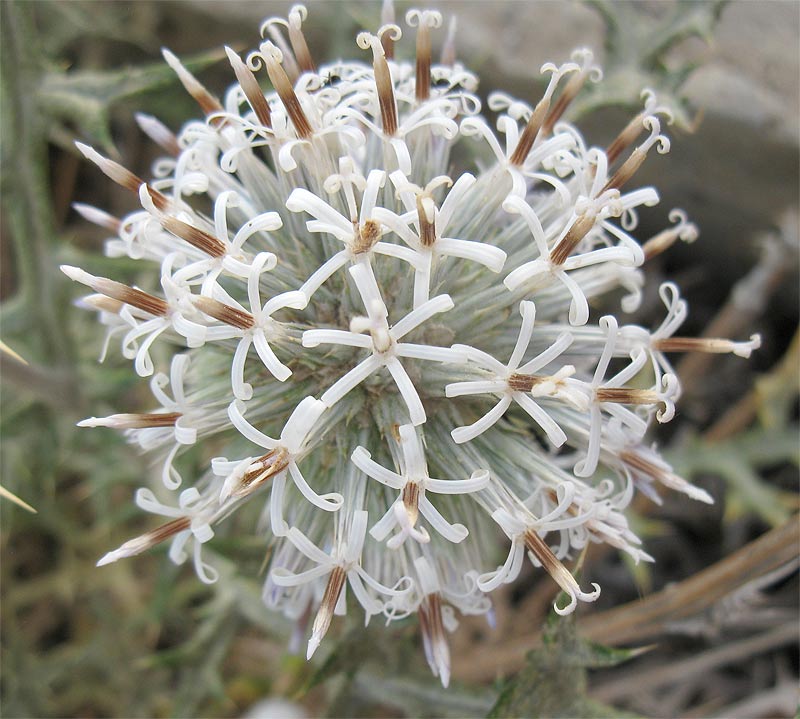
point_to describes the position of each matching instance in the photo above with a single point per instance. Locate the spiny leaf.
(637, 45)
(553, 681)
(736, 461)
(83, 98)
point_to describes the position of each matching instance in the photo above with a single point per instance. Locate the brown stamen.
(627, 395)
(134, 420)
(661, 242)
(330, 597)
(383, 78)
(264, 468)
(626, 171)
(431, 625)
(639, 463)
(411, 501)
(387, 39)
(298, 41)
(664, 476)
(251, 88)
(426, 213)
(539, 548)
(196, 237)
(165, 531)
(160, 201)
(159, 133)
(580, 228)
(557, 571)
(366, 236)
(114, 171)
(209, 104)
(283, 86)
(136, 298)
(117, 291)
(694, 344)
(225, 313)
(98, 217)
(530, 133)
(423, 81)
(533, 127)
(524, 382)
(386, 102)
(121, 175)
(148, 540)
(570, 92)
(625, 138)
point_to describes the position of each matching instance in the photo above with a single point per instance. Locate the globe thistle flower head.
(379, 306)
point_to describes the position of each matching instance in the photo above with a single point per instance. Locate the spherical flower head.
(392, 338)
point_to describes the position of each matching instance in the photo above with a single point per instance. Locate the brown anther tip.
(146, 541)
(97, 217)
(118, 291)
(298, 42)
(423, 67)
(330, 598)
(570, 92)
(579, 229)
(165, 531)
(530, 133)
(523, 382)
(638, 463)
(626, 171)
(160, 201)
(625, 138)
(411, 495)
(159, 133)
(196, 237)
(283, 86)
(160, 419)
(659, 244)
(431, 624)
(144, 301)
(251, 88)
(209, 104)
(387, 39)
(224, 313)
(427, 227)
(366, 236)
(540, 549)
(263, 469)
(394, 429)
(626, 395)
(133, 420)
(388, 46)
(683, 230)
(111, 169)
(709, 345)
(386, 101)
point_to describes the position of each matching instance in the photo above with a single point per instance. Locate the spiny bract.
(379, 307)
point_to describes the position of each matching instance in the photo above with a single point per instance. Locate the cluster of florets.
(391, 341)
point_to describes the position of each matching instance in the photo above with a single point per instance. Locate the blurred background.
(709, 630)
